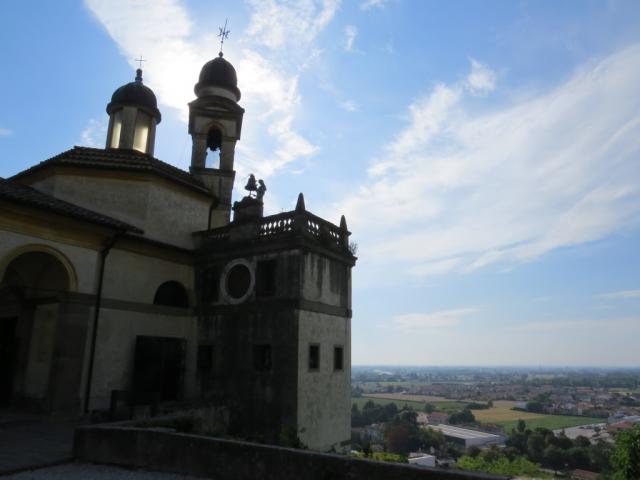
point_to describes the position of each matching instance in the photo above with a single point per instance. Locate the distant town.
(535, 422)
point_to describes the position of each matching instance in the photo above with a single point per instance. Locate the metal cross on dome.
(140, 60)
(224, 33)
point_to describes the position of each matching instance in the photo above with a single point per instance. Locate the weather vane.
(224, 33)
(140, 60)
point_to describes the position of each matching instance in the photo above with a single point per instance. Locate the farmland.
(502, 414)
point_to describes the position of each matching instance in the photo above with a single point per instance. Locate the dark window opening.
(205, 358)
(214, 139)
(338, 358)
(171, 294)
(262, 358)
(210, 285)
(314, 357)
(266, 278)
(238, 281)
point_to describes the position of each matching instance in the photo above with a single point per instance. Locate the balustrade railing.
(304, 223)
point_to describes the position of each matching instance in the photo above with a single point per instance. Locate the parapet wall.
(129, 446)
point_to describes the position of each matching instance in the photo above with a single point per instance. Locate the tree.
(429, 407)
(535, 446)
(555, 457)
(579, 458)
(465, 416)
(522, 426)
(473, 451)
(626, 456)
(398, 437)
(429, 438)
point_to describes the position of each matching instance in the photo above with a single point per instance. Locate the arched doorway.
(30, 295)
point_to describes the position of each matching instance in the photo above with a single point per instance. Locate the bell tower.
(215, 123)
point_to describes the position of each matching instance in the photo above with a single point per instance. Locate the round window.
(238, 281)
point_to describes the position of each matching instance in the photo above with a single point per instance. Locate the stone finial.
(343, 223)
(300, 203)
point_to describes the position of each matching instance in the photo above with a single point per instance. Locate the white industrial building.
(466, 438)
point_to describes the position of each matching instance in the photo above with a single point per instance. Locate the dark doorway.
(159, 366)
(8, 351)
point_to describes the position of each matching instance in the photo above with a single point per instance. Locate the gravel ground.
(89, 471)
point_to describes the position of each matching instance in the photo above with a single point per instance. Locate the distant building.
(437, 418)
(584, 475)
(422, 459)
(466, 438)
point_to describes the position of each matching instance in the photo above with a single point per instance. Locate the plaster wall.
(326, 280)
(173, 216)
(121, 198)
(324, 396)
(115, 349)
(135, 277)
(83, 259)
(164, 213)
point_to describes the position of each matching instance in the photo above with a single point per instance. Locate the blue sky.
(485, 154)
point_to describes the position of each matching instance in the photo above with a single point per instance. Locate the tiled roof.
(17, 193)
(118, 159)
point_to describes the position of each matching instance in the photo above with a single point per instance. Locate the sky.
(485, 154)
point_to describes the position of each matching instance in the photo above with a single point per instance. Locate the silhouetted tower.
(275, 324)
(215, 122)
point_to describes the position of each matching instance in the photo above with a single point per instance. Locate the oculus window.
(238, 281)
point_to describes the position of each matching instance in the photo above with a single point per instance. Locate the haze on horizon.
(486, 155)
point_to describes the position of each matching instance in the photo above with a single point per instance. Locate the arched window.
(39, 272)
(171, 294)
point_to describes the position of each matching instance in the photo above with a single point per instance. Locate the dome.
(135, 94)
(218, 73)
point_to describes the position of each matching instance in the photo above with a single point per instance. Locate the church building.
(120, 272)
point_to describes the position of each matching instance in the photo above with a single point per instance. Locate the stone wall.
(222, 459)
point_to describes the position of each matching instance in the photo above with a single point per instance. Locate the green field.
(552, 422)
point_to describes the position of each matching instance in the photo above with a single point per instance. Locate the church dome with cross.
(217, 73)
(135, 94)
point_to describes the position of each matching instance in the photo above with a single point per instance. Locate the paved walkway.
(27, 441)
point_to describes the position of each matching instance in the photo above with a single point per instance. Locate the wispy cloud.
(416, 322)
(95, 133)
(463, 188)
(481, 80)
(349, 106)
(350, 34)
(5, 132)
(277, 23)
(164, 30)
(621, 295)
(369, 4)
(622, 324)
